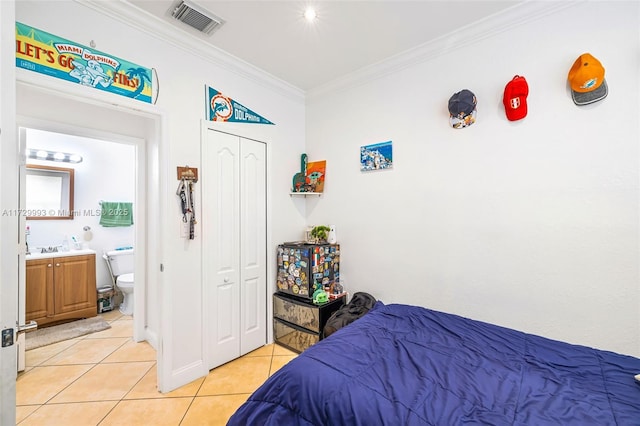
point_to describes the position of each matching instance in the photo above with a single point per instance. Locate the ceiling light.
(310, 14)
(58, 156)
(41, 154)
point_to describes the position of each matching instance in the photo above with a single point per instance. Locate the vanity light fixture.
(41, 154)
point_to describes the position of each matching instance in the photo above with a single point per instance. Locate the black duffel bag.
(359, 305)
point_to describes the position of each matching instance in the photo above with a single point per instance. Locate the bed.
(407, 365)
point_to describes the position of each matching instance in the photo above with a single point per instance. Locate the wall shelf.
(305, 193)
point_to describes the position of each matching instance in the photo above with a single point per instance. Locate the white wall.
(531, 224)
(107, 173)
(183, 75)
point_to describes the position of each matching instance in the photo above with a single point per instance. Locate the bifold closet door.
(234, 245)
(253, 245)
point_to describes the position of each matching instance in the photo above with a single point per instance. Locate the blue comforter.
(407, 365)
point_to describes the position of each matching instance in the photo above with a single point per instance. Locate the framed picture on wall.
(378, 156)
(316, 171)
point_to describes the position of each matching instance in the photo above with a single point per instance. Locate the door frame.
(143, 164)
(264, 134)
(154, 215)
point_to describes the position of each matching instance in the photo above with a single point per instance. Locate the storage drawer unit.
(298, 324)
(293, 337)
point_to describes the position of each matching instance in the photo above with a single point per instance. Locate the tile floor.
(106, 378)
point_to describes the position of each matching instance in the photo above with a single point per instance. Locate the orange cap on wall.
(586, 78)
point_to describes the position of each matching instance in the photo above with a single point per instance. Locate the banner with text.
(48, 54)
(223, 108)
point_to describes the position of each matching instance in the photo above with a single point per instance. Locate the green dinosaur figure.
(300, 178)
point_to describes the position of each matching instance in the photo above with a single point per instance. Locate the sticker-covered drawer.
(297, 313)
(293, 337)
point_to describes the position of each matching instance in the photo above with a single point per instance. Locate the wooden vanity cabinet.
(61, 288)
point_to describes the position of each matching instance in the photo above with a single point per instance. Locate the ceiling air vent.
(196, 17)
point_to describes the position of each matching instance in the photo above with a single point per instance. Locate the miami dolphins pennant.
(223, 108)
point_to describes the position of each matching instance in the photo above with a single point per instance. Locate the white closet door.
(221, 227)
(253, 234)
(234, 244)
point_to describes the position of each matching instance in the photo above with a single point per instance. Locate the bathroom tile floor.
(106, 378)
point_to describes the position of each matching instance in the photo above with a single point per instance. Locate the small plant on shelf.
(319, 233)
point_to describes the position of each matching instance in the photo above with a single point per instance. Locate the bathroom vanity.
(60, 286)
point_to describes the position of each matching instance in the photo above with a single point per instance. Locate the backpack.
(359, 305)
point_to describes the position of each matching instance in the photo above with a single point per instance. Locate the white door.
(234, 253)
(253, 233)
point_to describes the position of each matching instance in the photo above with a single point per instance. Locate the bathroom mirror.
(49, 193)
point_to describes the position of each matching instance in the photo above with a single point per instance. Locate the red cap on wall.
(515, 98)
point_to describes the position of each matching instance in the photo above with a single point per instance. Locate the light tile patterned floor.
(106, 378)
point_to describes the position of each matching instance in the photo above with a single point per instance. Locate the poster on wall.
(57, 57)
(316, 171)
(222, 108)
(378, 156)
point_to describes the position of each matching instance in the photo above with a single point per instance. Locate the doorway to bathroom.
(74, 217)
(100, 171)
(139, 133)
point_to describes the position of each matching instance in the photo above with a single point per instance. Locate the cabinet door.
(74, 278)
(39, 291)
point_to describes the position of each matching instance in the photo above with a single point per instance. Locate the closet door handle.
(49, 265)
(57, 264)
(226, 279)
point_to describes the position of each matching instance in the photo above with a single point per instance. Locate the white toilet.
(122, 265)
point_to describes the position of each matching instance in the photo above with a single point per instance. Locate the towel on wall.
(116, 214)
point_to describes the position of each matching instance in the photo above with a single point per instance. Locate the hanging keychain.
(182, 193)
(192, 209)
(188, 176)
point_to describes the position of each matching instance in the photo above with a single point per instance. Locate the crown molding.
(500, 22)
(131, 15)
(523, 13)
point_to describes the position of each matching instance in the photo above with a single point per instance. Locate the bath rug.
(70, 330)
